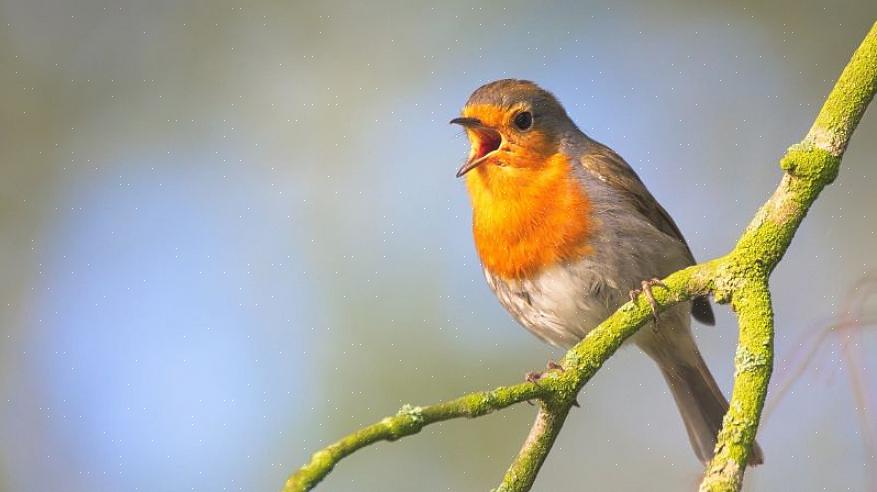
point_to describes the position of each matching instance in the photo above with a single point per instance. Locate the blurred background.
(230, 233)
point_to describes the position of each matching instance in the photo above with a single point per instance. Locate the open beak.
(485, 141)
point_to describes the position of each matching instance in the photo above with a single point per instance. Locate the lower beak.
(485, 141)
(470, 165)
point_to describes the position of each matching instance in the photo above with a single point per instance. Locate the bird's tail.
(697, 395)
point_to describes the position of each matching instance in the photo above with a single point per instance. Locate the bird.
(567, 232)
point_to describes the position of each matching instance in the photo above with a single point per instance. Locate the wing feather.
(610, 168)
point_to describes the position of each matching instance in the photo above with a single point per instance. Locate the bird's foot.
(535, 376)
(646, 290)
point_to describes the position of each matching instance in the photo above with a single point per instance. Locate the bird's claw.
(535, 376)
(646, 290)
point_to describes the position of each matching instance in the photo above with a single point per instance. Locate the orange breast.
(529, 218)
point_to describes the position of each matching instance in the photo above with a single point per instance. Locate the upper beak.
(487, 141)
(467, 122)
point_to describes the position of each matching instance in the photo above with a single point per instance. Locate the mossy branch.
(809, 167)
(740, 277)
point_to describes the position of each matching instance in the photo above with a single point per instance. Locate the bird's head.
(527, 214)
(513, 124)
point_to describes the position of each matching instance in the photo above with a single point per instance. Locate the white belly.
(559, 305)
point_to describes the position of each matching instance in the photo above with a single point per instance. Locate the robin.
(567, 232)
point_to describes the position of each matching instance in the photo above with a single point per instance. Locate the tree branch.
(556, 391)
(753, 364)
(740, 277)
(407, 421)
(810, 166)
(522, 472)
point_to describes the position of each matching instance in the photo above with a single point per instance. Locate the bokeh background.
(230, 233)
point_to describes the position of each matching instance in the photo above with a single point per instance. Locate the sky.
(231, 234)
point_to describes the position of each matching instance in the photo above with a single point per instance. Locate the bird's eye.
(524, 120)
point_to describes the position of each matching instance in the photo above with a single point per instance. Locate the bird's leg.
(646, 290)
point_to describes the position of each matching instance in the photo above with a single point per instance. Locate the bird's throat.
(528, 218)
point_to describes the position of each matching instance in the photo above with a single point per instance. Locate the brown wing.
(614, 171)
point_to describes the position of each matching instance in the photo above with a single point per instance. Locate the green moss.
(412, 412)
(851, 94)
(805, 160)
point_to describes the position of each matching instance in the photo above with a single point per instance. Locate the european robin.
(567, 232)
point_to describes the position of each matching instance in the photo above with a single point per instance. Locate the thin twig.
(847, 331)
